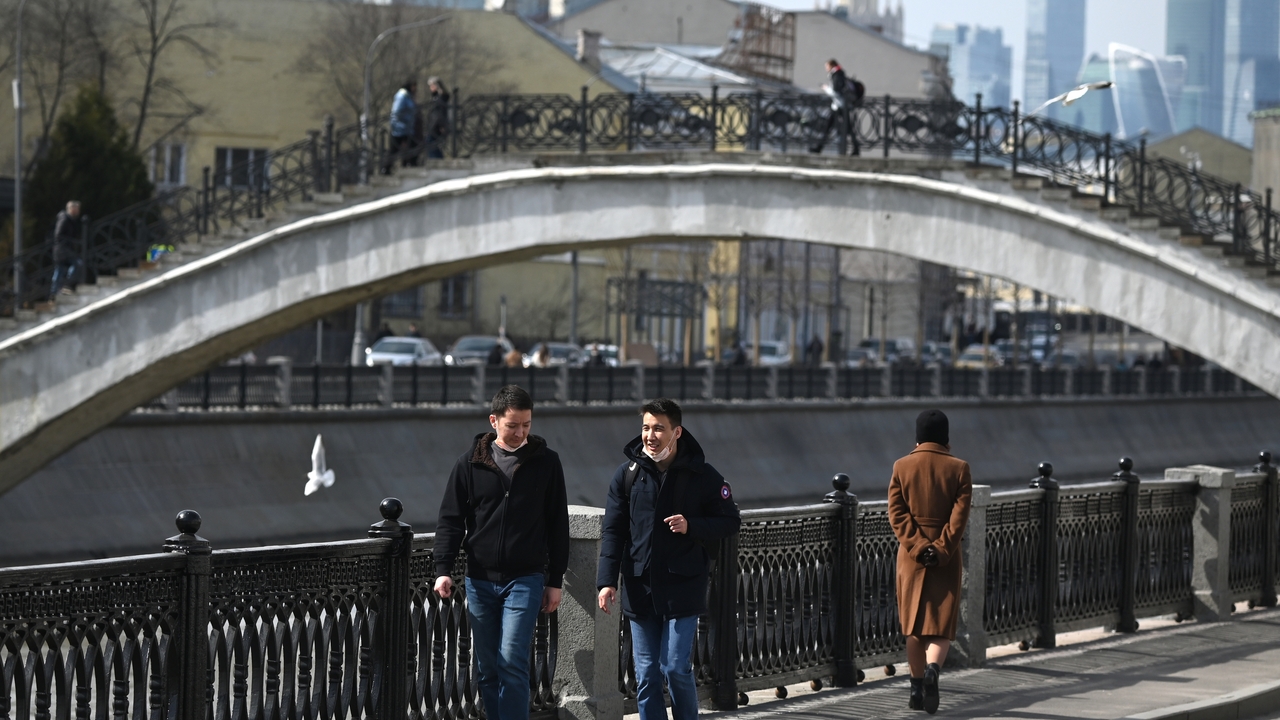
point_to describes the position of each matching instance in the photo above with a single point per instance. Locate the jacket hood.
(689, 453)
(482, 448)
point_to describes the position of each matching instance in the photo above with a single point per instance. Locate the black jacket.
(507, 529)
(663, 571)
(66, 236)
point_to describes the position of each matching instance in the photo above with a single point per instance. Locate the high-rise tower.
(1055, 48)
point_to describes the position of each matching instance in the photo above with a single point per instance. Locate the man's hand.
(444, 586)
(929, 557)
(550, 599)
(677, 523)
(607, 597)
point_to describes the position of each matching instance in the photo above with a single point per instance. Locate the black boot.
(931, 688)
(916, 702)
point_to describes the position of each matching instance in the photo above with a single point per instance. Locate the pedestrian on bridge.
(667, 511)
(404, 114)
(505, 502)
(929, 498)
(67, 231)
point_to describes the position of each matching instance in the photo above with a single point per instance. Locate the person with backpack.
(505, 503)
(667, 511)
(845, 94)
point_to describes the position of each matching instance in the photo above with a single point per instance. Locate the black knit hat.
(932, 426)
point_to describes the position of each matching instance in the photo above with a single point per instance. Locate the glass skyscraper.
(1232, 49)
(1139, 103)
(1055, 48)
(979, 62)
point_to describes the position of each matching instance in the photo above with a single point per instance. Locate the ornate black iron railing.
(345, 386)
(806, 593)
(1117, 172)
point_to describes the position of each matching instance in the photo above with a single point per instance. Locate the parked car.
(600, 354)
(860, 358)
(936, 352)
(895, 348)
(974, 358)
(403, 351)
(558, 354)
(475, 349)
(772, 353)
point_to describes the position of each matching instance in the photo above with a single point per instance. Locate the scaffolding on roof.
(763, 43)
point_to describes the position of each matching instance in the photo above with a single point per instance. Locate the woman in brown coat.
(928, 508)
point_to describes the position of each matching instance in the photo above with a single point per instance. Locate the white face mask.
(503, 445)
(664, 453)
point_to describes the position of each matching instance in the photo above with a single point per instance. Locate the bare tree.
(160, 26)
(342, 45)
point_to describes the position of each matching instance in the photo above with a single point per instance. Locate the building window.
(169, 165)
(455, 296)
(404, 304)
(240, 168)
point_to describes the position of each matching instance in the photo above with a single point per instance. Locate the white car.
(401, 351)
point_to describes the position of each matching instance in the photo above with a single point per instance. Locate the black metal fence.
(347, 386)
(1117, 172)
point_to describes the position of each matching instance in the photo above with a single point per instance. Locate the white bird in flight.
(320, 476)
(1074, 94)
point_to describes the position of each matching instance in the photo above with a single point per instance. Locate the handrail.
(1118, 172)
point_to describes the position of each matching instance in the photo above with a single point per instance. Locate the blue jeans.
(64, 271)
(664, 648)
(502, 620)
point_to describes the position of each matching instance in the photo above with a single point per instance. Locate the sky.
(1139, 23)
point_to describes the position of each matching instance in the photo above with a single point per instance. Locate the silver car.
(403, 351)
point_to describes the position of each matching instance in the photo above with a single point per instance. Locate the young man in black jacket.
(667, 509)
(505, 504)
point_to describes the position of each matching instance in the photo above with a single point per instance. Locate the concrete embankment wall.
(118, 491)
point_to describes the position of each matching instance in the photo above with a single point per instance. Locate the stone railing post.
(562, 384)
(845, 582)
(587, 673)
(771, 382)
(886, 381)
(970, 648)
(1025, 371)
(477, 386)
(1069, 382)
(637, 384)
(1206, 379)
(387, 386)
(1108, 380)
(191, 636)
(1271, 511)
(833, 378)
(284, 381)
(1211, 539)
(170, 400)
(1048, 571)
(394, 615)
(1142, 380)
(1128, 548)
(709, 383)
(1175, 379)
(935, 380)
(984, 382)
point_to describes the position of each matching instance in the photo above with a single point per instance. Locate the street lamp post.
(357, 340)
(17, 163)
(368, 82)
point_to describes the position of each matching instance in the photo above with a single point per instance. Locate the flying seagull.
(1074, 94)
(320, 476)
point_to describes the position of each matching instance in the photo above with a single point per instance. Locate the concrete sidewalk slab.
(1213, 670)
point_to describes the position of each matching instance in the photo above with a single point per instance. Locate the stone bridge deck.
(1208, 671)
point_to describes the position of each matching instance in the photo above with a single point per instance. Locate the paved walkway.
(1186, 671)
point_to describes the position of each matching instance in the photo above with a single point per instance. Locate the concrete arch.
(64, 379)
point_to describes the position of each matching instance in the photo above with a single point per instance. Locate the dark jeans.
(842, 122)
(401, 148)
(64, 272)
(663, 648)
(502, 620)
(434, 143)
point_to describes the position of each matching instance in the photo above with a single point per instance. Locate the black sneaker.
(931, 688)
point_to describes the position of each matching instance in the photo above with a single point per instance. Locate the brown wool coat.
(929, 498)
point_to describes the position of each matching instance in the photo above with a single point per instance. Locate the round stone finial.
(1046, 469)
(840, 482)
(1126, 464)
(391, 509)
(1264, 457)
(188, 522)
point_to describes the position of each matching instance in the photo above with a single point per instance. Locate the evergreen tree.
(89, 160)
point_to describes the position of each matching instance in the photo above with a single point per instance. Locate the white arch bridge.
(63, 379)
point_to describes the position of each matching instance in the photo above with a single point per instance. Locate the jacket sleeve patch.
(725, 492)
